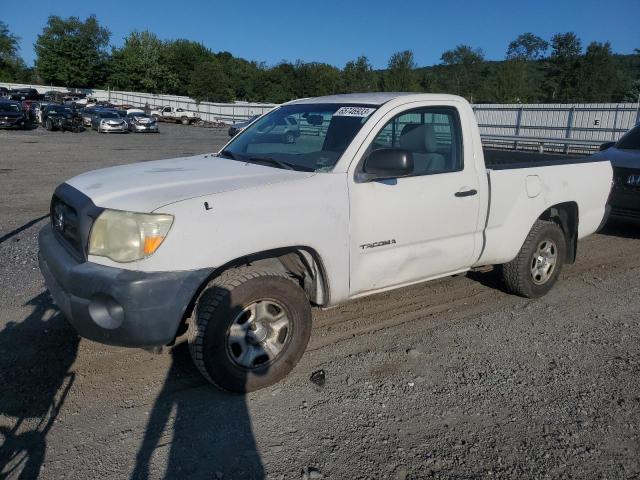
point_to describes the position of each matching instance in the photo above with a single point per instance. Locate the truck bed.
(508, 159)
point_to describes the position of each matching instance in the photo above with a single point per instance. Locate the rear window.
(631, 140)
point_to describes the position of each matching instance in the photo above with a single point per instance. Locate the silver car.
(141, 122)
(108, 122)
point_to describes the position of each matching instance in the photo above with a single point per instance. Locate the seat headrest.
(419, 138)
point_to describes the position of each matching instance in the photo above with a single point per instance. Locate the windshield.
(108, 115)
(631, 140)
(9, 108)
(307, 137)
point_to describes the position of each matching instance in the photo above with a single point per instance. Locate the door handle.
(466, 193)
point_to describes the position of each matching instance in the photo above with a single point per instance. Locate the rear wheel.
(536, 268)
(184, 121)
(249, 329)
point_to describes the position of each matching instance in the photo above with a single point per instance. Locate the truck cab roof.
(374, 98)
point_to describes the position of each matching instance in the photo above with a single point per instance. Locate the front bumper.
(106, 128)
(152, 127)
(116, 306)
(18, 123)
(625, 199)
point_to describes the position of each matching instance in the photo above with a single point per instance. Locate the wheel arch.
(566, 216)
(301, 262)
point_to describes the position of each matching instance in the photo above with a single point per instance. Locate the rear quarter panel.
(519, 196)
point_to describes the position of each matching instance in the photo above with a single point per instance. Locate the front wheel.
(289, 137)
(49, 125)
(537, 267)
(249, 329)
(184, 121)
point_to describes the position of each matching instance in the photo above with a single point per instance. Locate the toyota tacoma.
(233, 249)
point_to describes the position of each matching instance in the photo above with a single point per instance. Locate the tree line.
(77, 53)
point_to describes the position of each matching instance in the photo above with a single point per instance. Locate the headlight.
(126, 236)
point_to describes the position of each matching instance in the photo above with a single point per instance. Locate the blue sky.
(334, 31)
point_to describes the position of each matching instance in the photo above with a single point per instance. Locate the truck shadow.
(36, 355)
(492, 279)
(208, 432)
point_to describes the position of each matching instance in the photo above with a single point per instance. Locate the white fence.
(593, 123)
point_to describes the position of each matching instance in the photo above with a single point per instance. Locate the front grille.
(66, 225)
(625, 213)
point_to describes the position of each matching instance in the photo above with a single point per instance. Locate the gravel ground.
(450, 379)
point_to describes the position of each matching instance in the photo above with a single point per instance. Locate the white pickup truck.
(234, 248)
(176, 115)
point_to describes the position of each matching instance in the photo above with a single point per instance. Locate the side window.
(431, 134)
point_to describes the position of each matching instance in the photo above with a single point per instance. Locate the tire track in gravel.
(458, 297)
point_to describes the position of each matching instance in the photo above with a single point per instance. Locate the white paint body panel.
(256, 208)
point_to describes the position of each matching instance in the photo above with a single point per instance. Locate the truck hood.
(147, 186)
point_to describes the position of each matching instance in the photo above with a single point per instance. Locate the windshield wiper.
(227, 153)
(272, 161)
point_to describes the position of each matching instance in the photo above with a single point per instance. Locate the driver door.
(425, 225)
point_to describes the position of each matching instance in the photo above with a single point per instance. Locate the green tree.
(72, 52)
(562, 78)
(357, 76)
(464, 69)
(315, 79)
(276, 84)
(401, 75)
(512, 82)
(12, 68)
(210, 83)
(600, 79)
(527, 47)
(140, 65)
(179, 58)
(242, 74)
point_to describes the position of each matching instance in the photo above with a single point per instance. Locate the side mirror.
(386, 163)
(606, 145)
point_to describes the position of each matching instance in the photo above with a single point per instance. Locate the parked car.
(176, 115)
(625, 158)
(61, 117)
(109, 121)
(234, 248)
(20, 94)
(285, 129)
(236, 128)
(12, 115)
(139, 121)
(87, 114)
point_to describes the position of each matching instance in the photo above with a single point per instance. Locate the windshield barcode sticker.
(354, 112)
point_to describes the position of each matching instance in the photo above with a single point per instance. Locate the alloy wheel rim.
(258, 334)
(544, 261)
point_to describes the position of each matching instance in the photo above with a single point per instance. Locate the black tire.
(518, 274)
(218, 307)
(184, 121)
(49, 125)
